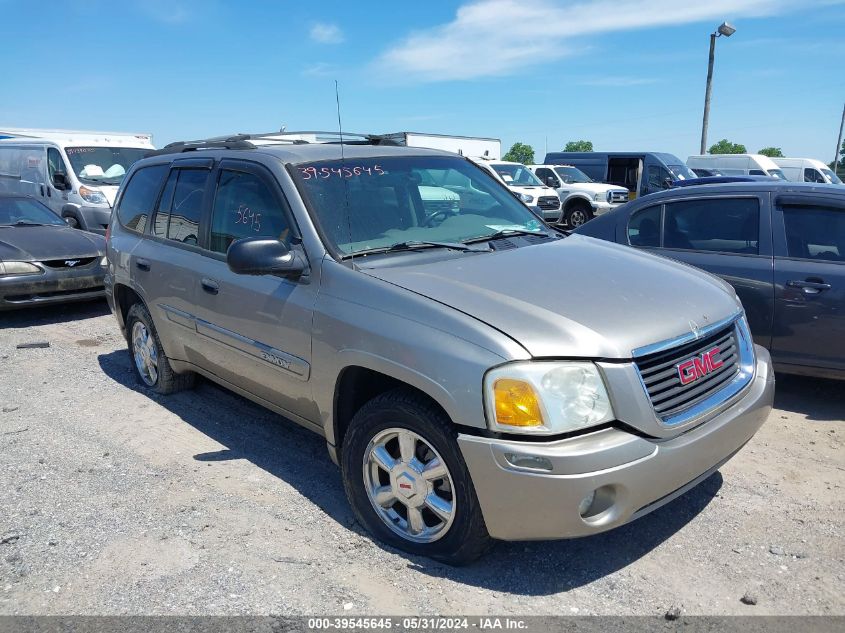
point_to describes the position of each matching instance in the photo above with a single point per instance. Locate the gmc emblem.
(699, 366)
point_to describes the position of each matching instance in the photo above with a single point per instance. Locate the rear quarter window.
(139, 197)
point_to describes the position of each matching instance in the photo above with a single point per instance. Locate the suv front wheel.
(407, 482)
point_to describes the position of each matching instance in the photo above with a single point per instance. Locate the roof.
(308, 152)
(773, 186)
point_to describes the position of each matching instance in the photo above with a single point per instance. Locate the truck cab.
(76, 174)
(581, 197)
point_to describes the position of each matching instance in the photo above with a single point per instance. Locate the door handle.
(808, 286)
(41, 188)
(210, 286)
(142, 264)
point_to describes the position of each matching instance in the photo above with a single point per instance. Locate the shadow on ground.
(49, 315)
(820, 399)
(297, 456)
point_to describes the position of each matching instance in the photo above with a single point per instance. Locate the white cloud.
(320, 69)
(500, 37)
(325, 33)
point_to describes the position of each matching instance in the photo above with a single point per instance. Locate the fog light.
(586, 503)
(531, 462)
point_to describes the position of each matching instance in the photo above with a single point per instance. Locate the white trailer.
(469, 146)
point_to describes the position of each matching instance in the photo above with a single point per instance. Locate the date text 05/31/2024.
(432, 623)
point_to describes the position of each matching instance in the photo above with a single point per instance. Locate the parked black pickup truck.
(781, 246)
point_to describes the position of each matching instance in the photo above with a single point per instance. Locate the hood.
(110, 192)
(576, 297)
(533, 190)
(39, 243)
(592, 187)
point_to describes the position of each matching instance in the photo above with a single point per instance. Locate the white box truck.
(469, 146)
(74, 173)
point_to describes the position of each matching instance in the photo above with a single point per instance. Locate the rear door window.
(722, 225)
(816, 233)
(187, 206)
(139, 197)
(644, 227)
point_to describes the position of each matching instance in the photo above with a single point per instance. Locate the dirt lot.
(117, 501)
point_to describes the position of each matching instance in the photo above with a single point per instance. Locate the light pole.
(727, 30)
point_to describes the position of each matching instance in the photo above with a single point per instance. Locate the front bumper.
(600, 208)
(94, 219)
(54, 286)
(634, 475)
(549, 215)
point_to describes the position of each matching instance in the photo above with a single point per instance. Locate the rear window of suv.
(139, 197)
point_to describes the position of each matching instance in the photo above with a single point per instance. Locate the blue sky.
(626, 74)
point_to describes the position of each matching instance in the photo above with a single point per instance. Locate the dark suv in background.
(781, 246)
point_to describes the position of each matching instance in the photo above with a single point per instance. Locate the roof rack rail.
(245, 141)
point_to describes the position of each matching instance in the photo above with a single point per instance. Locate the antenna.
(345, 182)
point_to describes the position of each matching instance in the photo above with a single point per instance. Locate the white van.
(737, 164)
(541, 199)
(807, 170)
(76, 174)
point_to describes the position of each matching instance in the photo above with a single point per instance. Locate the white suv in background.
(541, 199)
(582, 198)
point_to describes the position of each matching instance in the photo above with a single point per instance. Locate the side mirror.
(667, 183)
(264, 256)
(551, 182)
(60, 181)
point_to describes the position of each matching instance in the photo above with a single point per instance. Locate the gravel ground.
(117, 501)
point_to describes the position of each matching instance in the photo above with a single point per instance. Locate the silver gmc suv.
(467, 392)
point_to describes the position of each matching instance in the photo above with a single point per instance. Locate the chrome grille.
(70, 262)
(661, 374)
(618, 196)
(548, 203)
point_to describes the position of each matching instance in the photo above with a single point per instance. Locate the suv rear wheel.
(151, 365)
(407, 482)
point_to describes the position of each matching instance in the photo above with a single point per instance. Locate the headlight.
(104, 261)
(92, 195)
(19, 268)
(609, 196)
(545, 398)
(526, 198)
(598, 197)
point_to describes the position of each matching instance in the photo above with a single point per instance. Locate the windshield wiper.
(413, 245)
(505, 233)
(25, 223)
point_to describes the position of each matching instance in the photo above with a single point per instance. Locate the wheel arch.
(359, 383)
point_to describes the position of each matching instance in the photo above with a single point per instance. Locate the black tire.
(577, 214)
(166, 381)
(466, 538)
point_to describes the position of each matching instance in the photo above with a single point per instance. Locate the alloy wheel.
(409, 485)
(145, 353)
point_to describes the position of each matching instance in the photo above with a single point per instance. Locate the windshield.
(103, 165)
(374, 203)
(25, 211)
(517, 175)
(572, 174)
(831, 177)
(776, 173)
(681, 172)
